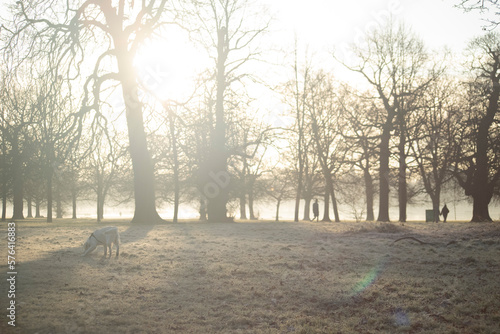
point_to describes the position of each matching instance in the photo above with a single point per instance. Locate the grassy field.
(256, 277)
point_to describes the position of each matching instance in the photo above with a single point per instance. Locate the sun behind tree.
(117, 30)
(168, 65)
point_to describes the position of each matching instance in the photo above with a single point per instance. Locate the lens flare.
(401, 318)
(370, 277)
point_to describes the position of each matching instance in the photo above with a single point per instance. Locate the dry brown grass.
(258, 277)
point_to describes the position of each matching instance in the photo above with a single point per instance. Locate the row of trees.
(414, 126)
(415, 120)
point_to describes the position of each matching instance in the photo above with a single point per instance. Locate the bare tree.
(324, 115)
(104, 164)
(489, 9)
(170, 155)
(17, 116)
(248, 139)
(435, 128)
(295, 94)
(279, 186)
(71, 31)
(35, 184)
(4, 162)
(198, 116)
(56, 130)
(477, 165)
(175, 155)
(312, 179)
(362, 130)
(75, 187)
(229, 31)
(392, 60)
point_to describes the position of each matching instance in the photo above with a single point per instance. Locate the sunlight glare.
(168, 66)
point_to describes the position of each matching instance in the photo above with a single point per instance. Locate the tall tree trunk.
(402, 185)
(307, 208)
(480, 210)
(73, 201)
(278, 210)
(99, 193)
(175, 153)
(435, 198)
(300, 139)
(18, 179)
(329, 189)
(402, 191)
(369, 193)
(243, 204)
(251, 202)
(383, 211)
(203, 208)
(4, 200)
(50, 174)
(38, 205)
(334, 203)
(327, 174)
(326, 209)
(29, 204)
(298, 195)
(243, 183)
(482, 189)
(144, 184)
(217, 169)
(100, 208)
(59, 213)
(4, 180)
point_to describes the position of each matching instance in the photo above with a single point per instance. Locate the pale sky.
(322, 26)
(323, 23)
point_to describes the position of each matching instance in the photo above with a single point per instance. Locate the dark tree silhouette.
(433, 131)
(323, 111)
(490, 9)
(392, 59)
(18, 114)
(279, 186)
(361, 129)
(477, 166)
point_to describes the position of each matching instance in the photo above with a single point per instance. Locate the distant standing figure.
(445, 212)
(316, 210)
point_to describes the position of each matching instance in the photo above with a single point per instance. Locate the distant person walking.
(316, 210)
(444, 212)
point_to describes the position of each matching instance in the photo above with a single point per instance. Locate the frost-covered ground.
(256, 277)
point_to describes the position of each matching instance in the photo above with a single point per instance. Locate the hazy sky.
(322, 26)
(323, 23)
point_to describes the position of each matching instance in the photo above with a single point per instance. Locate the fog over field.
(267, 211)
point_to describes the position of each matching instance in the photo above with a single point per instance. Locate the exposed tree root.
(413, 238)
(423, 242)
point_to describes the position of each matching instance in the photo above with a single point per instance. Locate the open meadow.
(256, 277)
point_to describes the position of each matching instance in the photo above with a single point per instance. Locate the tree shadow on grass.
(50, 269)
(135, 233)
